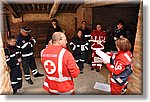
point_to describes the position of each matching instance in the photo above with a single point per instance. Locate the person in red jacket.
(98, 37)
(59, 65)
(122, 59)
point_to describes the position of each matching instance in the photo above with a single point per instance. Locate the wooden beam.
(54, 8)
(91, 3)
(34, 12)
(12, 10)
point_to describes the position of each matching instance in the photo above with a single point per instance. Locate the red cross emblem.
(49, 66)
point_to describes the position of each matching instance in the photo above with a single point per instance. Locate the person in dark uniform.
(119, 31)
(13, 59)
(86, 33)
(79, 46)
(25, 42)
(54, 27)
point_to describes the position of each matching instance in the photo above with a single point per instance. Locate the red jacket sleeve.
(117, 68)
(71, 65)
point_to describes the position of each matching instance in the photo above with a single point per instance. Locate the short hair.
(120, 22)
(83, 22)
(56, 36)
(99, 24)
(11, 37)
(54, 20)
(79, 29)
(123, 44)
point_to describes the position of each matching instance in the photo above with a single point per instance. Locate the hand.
(121, 36)
(115, 38)
(19, 60)
(108, 53)
(104, 61)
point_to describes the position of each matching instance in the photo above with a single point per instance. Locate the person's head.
(59, 38)
(99, 26)
(54, 21)
(24, 31)
(120, 24)
(123, 44)
(83, 24)
(79, 33)
(11, 40)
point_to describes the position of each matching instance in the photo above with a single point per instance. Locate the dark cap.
(25, 29)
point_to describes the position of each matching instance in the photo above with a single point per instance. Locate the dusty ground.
(84, 83)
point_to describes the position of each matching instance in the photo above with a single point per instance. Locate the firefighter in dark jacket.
(25, 42)
(79, 47)
(87, 36)
(119, 31)
(54, 27)
(13, 59)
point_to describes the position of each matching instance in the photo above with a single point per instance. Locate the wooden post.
(5, 84)
(54, 9)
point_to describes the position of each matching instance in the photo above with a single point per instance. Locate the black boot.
(38, 75)
(81, 72)
(30, 81)
(97, 70)
(14, 91)
(92, 68)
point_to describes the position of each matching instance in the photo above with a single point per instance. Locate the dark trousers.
(80, 60)
(16, 78)
(80, 65)
(27, 64)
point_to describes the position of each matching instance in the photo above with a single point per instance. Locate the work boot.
(92, 68)
(81, 72)
(14, 91)
(97, 70)
(30, 81)
(38, 75)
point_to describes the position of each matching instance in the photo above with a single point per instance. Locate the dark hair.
(99, 24)
(11, 37)
(83, 22)
(123, 44)
(54, 20)
(79, 29)
(120, 22)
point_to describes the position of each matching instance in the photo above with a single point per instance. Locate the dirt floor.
(84, 83)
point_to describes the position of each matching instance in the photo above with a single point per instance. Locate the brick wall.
(67, 21)
(136, 83)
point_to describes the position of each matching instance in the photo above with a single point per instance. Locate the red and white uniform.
(60, 69)
(97, 42)
(121, 60)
